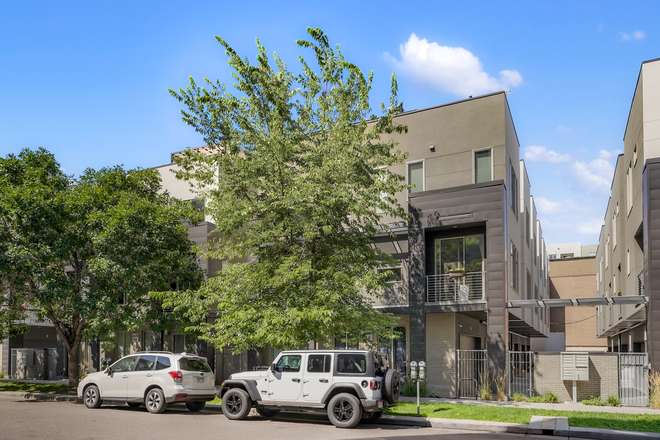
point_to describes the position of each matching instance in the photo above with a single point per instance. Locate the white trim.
(492, 166)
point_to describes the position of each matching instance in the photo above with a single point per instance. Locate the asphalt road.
(28, 419)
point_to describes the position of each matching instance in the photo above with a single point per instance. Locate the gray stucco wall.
(651, 182)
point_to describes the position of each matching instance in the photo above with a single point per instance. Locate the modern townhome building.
(472, 242)
(628, 257)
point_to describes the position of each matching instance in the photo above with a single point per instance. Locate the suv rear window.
(188, 364)
(351, 364)
(162, 363)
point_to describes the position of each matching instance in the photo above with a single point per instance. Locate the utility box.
(574, 366)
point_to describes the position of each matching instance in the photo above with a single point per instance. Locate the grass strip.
(31, 387)
(580, 419)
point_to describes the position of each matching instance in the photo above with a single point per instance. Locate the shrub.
(594, 401)
(434, 393)
(613, 401)
(500, 385)
(654, 385)
(484, 388)
(2, 373)
(410, 389)
(546, 398)
(517, 397)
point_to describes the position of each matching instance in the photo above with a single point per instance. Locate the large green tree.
(297, 190)
(85, 253)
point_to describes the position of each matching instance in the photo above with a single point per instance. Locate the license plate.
(380, 404)
(200, 380)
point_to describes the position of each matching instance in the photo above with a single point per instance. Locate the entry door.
(318, 376)
(115, 385)
(285, 383)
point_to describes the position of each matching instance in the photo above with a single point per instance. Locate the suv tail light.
(177, 376)
(374, 384)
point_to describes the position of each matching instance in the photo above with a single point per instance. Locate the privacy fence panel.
(634, 379)
(520, 373)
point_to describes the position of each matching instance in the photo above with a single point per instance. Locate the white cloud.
(564, 129)
(542, 154)
(590, 227)
(545, 206)
(595, 176)
(449, 69)
(637, 35)
(607, 155)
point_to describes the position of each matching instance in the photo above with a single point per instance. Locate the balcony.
(455, 288)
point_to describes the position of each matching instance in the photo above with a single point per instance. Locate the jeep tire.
(267, 413)
(236, 404)
(371, 417)
(391, 386)
(344, 410)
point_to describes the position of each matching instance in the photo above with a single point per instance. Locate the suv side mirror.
(273, 367)
(108, 371)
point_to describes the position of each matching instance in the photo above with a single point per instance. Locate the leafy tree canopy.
(296, 190)
(84, 253)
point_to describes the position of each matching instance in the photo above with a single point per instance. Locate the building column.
(417, 285)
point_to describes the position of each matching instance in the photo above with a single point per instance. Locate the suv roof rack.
(154, 351)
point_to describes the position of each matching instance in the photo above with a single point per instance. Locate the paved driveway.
(26, 419)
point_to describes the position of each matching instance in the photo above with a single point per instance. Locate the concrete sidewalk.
(547, 406)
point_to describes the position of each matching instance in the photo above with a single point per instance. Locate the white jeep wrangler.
(351, 385)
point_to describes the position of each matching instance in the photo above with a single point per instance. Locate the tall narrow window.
(514, 192)
(527, 226)
(529, 286)
(629, 189)
(613, 231)
(482, 166)
(514, 267)
(416, 176)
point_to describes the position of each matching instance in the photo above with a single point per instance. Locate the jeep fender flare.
(333, 390)
(246, 385)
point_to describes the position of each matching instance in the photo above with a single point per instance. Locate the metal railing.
(471, 369)
(634, 379)
(521, 373)
(640, 283)
(455, 287)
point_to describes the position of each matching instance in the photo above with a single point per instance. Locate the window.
(635, 155)
(607, 253)
(613, 232)
(124, 364)
(163, 363)
(527, 226)
(567, 255)
(394, 276)
(351, 364)
(179, 343)
(514, 192)
(146, 338)
(601, 269)
(629, 189)
(536, 292)
(514, 267)
(628, 261)
(416, 176)
(483, 166)
(380, 179)
(145, 363)
(289, 363)
(319, 363)
(189, 364)
(529, 285)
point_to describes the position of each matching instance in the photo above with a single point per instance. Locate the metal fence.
(455, 287)
(33, 363)
(472, 366)
(634, 379)
(520, 373)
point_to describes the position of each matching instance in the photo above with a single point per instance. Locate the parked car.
(152, 378)
(352, 386)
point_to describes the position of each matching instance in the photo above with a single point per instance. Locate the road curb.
(42, 396)
(606, 434)
(479, 425)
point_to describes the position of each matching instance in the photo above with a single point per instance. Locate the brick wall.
(441, 353)
(603, 377)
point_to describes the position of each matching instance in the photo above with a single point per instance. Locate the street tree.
(85, 253)
(297, 188)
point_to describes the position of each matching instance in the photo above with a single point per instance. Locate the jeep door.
(285, 381)
(318, 376)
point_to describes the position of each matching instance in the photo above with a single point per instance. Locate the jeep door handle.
(323, 380)
(295, 379)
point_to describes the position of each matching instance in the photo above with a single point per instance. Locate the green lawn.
(629, 422)
(31, 387)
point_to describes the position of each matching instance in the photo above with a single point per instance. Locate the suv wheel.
(267, 412)
(391, 386)
(371, 417)
(155, 401)
(195, 406)
(344, 410)
(236, 404)
(92, 397)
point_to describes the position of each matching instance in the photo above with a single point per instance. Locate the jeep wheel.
(236, 404)
(92, 397)
(155, 401)
(267, 413)
(195, 406)
(344, 410)
(371, 417)
(391, 386)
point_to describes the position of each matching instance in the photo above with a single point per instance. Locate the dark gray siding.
(479, 205)
(651, 200)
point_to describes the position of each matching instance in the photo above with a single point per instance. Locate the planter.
(457, 274)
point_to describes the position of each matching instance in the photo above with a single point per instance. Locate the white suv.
(154, 378)
(351, 385)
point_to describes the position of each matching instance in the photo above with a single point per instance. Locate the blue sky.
(88, 80)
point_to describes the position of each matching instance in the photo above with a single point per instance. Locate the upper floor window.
(514, 192)
(528, 228)
(416, 176)
(635, 155)
(629, 189)
(613, 231)
(483, 166)
(514, 267)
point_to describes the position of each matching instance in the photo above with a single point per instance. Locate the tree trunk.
(73, 366)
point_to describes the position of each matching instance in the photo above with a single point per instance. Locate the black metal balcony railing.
(455, 287)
